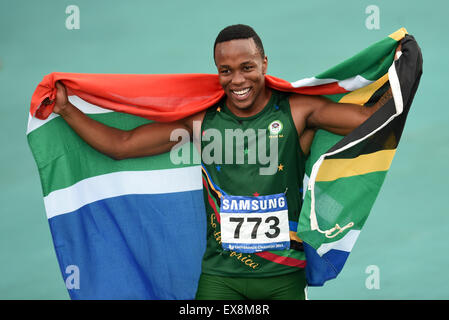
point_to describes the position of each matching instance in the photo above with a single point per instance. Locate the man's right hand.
(61, 100)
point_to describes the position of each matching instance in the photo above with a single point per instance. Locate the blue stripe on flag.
(115, 245)
(324, 268)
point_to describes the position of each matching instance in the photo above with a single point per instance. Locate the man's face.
(241, 70)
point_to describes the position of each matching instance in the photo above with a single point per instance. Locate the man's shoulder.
(298, 100)
(196, 117)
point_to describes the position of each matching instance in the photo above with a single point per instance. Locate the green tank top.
(238, 173)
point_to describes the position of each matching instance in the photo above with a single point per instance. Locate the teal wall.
(405, 235)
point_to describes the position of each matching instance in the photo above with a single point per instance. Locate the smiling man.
(245, 89)
(252, 250)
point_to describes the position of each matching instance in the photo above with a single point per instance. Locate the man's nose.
(238, 78)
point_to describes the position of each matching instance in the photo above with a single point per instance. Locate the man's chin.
(242, 104)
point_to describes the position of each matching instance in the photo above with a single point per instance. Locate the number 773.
(257, 221)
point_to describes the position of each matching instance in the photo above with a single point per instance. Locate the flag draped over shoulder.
(135, 228)
(346, 173)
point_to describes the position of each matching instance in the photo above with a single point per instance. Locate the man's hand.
(61, 100)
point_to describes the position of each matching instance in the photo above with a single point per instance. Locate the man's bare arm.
(341, 118)
(311, 113)
(145, 140)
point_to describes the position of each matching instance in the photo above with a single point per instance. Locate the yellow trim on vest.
(211, 185)
(294, 236)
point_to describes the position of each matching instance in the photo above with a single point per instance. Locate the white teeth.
(242, 92)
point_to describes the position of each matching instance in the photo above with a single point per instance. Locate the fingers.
(59, 85)
(61, 89)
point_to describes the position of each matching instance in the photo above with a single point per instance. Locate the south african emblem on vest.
(275, 128)
(254, 224)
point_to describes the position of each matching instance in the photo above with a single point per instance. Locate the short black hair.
(239, 31)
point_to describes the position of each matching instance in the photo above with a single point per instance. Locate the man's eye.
(247, 68)
(225, 71)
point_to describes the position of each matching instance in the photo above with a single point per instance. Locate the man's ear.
(265, 65)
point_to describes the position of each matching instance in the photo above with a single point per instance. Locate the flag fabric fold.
(135, 228)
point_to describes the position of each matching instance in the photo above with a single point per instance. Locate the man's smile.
(241, 94)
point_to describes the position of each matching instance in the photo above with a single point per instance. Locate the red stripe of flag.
(323, 89)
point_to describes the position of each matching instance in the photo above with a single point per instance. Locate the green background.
(406, 233)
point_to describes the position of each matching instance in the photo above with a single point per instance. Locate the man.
(252, 248)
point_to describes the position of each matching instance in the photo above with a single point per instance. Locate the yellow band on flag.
(332, 169)
(399, 34)
(362, 95)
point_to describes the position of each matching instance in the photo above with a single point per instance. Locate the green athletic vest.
(244, 179)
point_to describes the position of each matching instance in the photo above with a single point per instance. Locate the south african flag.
(135, 229)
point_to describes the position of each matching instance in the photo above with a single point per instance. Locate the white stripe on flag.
(396, 87)
(34, 123)
(344, 244)
(354, 83)
(349, 84)
(122, 183)
(310, 82)
(84, 106)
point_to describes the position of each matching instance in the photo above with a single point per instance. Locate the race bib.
(254, 224)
